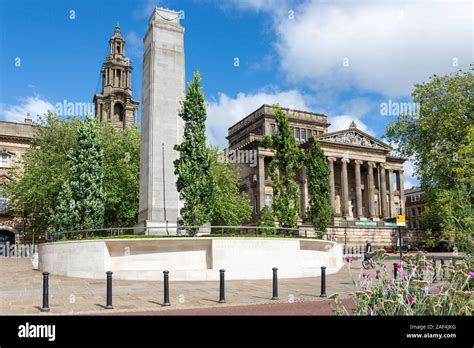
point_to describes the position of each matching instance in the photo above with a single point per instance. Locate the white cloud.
(390, 45)
(343, 122)
(409, 177)
(33, 105)
(226, 111)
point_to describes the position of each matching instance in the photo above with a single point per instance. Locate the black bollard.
(109, 291)
(275, 283)
(45, 307)
(443, 269)
(222, 287)
(435, 271)
(166, 300)
(323, 281)
(395, 270)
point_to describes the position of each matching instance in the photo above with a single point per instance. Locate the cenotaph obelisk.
(163, 86)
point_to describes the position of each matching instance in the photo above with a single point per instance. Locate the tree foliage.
(440, 142)
(284, 167)
(81, 202)
(229, 207)
(317, 171)
(39, 190)
(266, 219)
(193, 167)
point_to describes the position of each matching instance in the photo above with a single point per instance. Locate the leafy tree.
(284, 167)
(229, 206)
(266, 219)
(194, 182)
(39, 175)
(121, 168)
(440, 141)
(83, 191)
(317, 171)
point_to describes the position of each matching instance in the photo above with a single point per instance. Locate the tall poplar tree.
(317, 171)
(193, 167)
(284, 168)
(82, 199)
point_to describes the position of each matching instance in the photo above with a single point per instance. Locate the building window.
(413, 212)
(297, 134)
(419, 211)
(3, 201)
(5, 160)
(118, 111)
(303, 134)
(268, 200)
(272, 129)
(310, 133)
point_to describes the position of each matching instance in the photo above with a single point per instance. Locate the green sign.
(365, 223)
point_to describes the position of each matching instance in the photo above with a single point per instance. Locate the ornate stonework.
(353, 137)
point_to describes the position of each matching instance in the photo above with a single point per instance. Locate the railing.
(178, 230)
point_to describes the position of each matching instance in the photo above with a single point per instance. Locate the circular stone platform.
(190, 258)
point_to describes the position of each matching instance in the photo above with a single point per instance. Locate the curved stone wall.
(190, 258)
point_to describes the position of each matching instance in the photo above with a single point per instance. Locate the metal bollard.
(323, 281)
(435, 275)
(443, 269)
(109, 291)
(275, 283)
(45, 307)
(222, 287)
(395, 270)
(166, 300)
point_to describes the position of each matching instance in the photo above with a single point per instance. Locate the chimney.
(28, 119)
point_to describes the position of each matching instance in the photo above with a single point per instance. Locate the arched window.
(5, 160)
(118, 111)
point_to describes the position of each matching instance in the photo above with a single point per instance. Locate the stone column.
(261, 181)
(370, 189)
(390, 193)
(383, 190)
(304, 192)
(358, 188)
(331, 183)
(402, 191)
(111, 111)
(345, 188)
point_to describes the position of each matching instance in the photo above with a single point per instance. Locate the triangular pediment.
(356, 137)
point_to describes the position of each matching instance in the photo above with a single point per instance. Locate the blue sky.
(342, 58)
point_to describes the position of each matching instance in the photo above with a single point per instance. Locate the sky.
(351, 60)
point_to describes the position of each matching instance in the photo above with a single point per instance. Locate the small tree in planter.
(266, 219)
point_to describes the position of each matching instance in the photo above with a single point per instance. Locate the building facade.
(415, 206)
(115, 102)
(15, 139)
(366, 179)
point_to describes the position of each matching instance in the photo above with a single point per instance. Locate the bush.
(411, 293)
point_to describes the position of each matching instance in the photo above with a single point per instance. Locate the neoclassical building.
(115, 102)
(366, 179)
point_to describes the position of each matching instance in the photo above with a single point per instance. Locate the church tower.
(115, 103)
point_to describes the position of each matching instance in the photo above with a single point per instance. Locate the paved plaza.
(21, 293)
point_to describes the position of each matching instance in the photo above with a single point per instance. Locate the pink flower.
(471, 274)
(349, 259)
(405, 277)
(410, 298)
(377, 276)
(384, 266)
(398, 265)
(416, 267)
(427, 267)
(365, 275)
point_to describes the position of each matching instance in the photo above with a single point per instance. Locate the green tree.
(284, 167)
(439, 140)
(39, 175)
(229, 206)
(317, 171)
(121, 168)
(266, 219)
(83, 191)
(193, 167)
